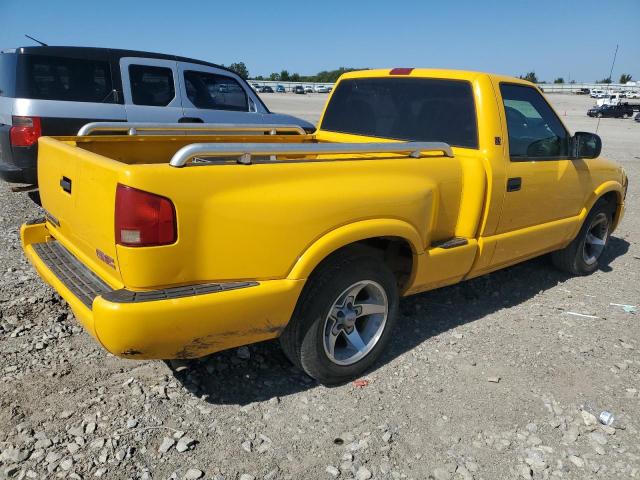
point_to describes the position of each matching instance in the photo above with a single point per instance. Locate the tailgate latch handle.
(65, 183)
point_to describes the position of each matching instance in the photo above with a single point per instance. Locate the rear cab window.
(45, 77)
(151, 86)
(420, 109)
(215, 92)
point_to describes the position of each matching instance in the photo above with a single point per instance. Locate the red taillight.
(401, 71)
(143, 219)
(25, 131)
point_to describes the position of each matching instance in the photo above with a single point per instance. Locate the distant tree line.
(330, 76)
(325, 76)
(531, 77)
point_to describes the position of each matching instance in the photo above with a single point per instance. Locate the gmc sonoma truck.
(181, 244)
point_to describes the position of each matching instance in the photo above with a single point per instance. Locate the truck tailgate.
(78, 189)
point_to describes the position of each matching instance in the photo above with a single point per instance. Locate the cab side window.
(214, 92)
(152, 86)
(535, 132)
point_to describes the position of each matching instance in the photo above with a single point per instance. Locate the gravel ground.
(495, 378)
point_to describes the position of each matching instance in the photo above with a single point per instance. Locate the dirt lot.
(483, 380)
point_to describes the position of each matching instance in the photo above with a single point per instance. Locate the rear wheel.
(581, 256)
(344, 316)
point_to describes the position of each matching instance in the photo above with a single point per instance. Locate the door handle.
(65, 183)
(514, 184)
(190, 120)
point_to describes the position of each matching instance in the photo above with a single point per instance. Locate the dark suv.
(57, 90)
(618, 111)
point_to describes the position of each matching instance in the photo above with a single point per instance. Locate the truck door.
(544, 186)
(214, 95)
(151, 91)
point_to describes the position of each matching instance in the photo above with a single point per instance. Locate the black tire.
(599, 115)
(303, 339)
(577, 257)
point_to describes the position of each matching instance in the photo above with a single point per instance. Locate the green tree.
(625, 77)
(274, 76)
(240, 68)
(530, 77)
(284, 76)
(605, 80)
(559, 80)
(295, 77)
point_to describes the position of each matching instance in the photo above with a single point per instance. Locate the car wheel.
(581, 256)
(599, 115)
(344, 317)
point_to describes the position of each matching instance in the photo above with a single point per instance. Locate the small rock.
(132, 423)
(608, 429)
(493, 379)
(577, 461)
(193, 474)
(185, 443)
(247, 446)
(166, 444)
(73, 448)
(588, 418)
(90, 428)
(243, 353)
(386, 437)
(66, 464)
(246, 476)
(363, 473)
(333, 471)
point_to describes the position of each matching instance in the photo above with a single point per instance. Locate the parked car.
(633, 94)
(155, 263)
(595, 93)
(308, 89)
(56, 90)
(621, 110)
(637, 117)
(299, 89)
(280, 89)
(266, 89)
(583, 91)
(322, 89)
(255, 86)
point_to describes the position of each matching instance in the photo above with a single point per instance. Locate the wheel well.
(611, 198)
(395, 252)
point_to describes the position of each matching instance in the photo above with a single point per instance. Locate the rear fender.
(351, 233)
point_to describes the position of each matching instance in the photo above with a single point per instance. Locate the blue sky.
(565, 38)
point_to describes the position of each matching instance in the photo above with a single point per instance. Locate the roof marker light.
(401, 71)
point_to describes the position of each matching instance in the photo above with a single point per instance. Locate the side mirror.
(585, 145)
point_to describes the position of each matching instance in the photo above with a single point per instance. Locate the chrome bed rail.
(135, 128)
(243, 152)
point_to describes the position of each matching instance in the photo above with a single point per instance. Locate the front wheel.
(599, 115)
(582, 255)
(344, 316)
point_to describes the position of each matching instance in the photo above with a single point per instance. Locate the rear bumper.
(185, 322)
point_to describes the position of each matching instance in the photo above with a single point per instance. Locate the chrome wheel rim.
(355, 322)
(596, 239)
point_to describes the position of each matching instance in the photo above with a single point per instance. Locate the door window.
(152, 86)
(214, 92)
(535, 132)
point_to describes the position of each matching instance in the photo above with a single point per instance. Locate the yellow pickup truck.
(176, 241)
